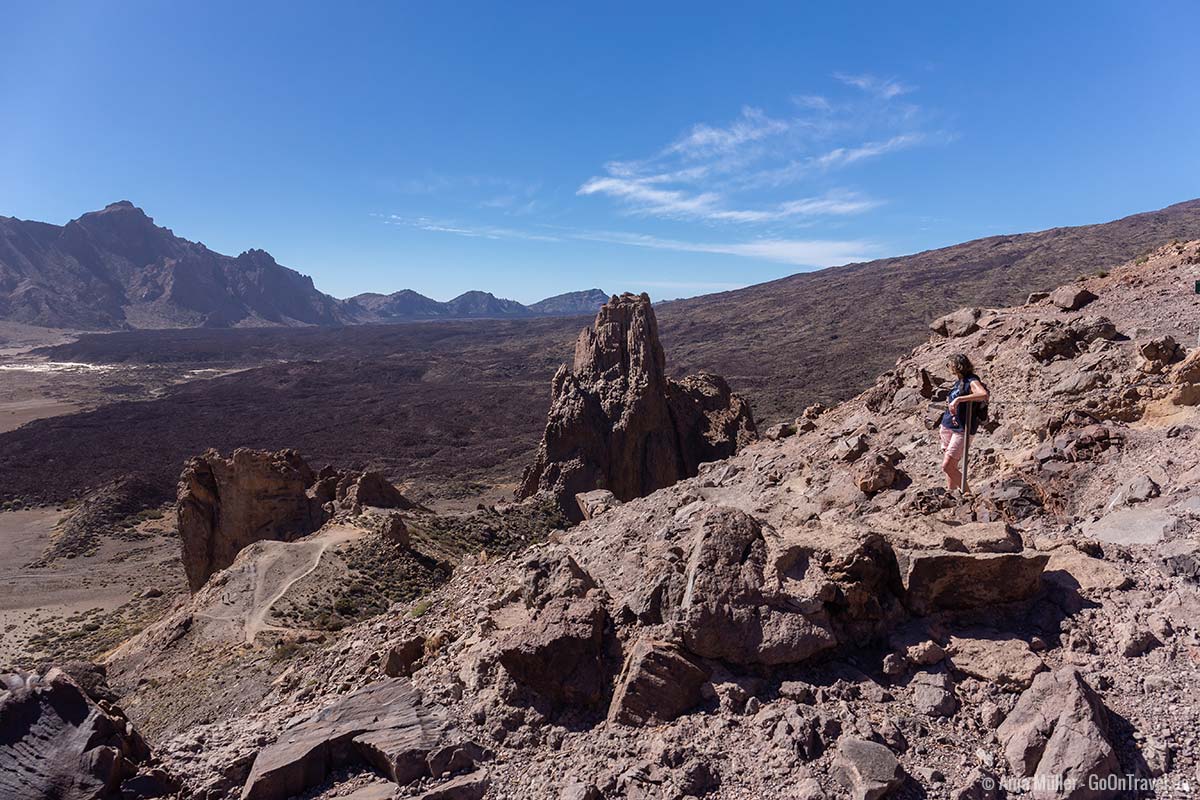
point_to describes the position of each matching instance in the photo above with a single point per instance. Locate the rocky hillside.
(811, 618)
(115, 268)
(822, 336)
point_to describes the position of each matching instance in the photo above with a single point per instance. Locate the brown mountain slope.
(821, 336)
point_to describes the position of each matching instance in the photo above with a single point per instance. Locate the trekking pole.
(962, 488)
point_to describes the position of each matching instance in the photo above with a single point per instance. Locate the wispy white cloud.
(472, 231)
(887, 88)
(797, 252)
(734, 173)
(705, 140)
(840, 156)
(644, 197)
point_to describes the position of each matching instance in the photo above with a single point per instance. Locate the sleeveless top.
(955, 422)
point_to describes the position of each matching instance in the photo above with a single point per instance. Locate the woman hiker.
(966, 400)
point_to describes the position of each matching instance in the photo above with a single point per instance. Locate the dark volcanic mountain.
(404, 304)
(571, 303)
(115, 268)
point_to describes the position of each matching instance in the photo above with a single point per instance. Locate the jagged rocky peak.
(618, 423)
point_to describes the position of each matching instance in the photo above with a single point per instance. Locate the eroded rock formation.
(617, 422)
(225, 504)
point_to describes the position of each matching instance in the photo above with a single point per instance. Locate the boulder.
(933, 694)
(1071, 569)
(781, 430)
(558, 652)
(225, 504)
(56, 742)
(1157, 353)
(387, 523)
(1131, 526)
(936, 580)
(1058, 340)
(866, 770)
(1181, 557)
(1071, 298)
(1133, 640)
(356, 492)
(384, 724)
(874, 473)
(730, 610)
(472, 786)
(963, 322)
(980, 784)
(617, 422)
(596, 502)
(400, 660)
(997, 659)
(849, 448)
(658, 683)
(1186, 378)
(1059, 731)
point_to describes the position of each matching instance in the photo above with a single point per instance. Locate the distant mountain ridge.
(409, 305)
(115, 268)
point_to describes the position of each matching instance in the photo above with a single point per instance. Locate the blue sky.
(534, 148)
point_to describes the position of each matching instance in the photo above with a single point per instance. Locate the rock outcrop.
(660, 681)
(384, 724)
(617, 422)
(57, 742)
(225, 504)
(1059, 732)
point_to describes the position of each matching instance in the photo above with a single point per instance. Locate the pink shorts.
(953, 443)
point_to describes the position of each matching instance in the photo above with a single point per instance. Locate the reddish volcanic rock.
(617, 422)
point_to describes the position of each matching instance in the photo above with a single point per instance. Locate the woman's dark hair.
(962, 365)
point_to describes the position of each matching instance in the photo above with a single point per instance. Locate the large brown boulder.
(1059, 733)
(1071, 298)
(963, 322)
(936, 580)
(617, 422)
(558, 654)
(736, 607)
(224, 504)
(660, 681)
(56, 742)
(866, 770)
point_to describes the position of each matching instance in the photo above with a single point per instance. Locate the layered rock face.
(57, 742)
(617, 422)
(225, 504)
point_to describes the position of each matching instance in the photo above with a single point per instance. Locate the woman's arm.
(978, 393)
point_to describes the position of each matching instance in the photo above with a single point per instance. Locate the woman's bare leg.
(953, 473)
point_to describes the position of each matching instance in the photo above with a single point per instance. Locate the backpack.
(979, 409)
